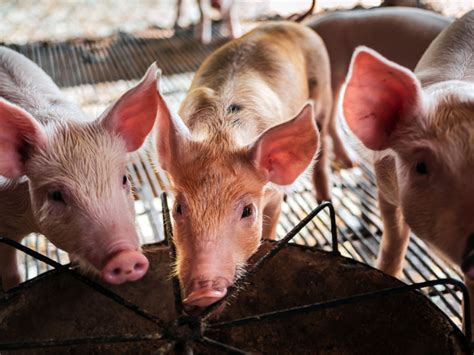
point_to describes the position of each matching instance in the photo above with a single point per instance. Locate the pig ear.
(171, 133)
(133, 115)
(284, 151)
(19, 132)
(378, 94)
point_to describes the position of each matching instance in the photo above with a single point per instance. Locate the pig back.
(400, 34)
(264, 74)
(26, 85)
(451, 55)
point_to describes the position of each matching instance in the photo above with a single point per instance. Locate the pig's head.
(80, 193)
(431, 133)
(219, 190)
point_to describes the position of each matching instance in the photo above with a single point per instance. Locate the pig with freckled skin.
(65, 173)
(244, 128)
(421, 127)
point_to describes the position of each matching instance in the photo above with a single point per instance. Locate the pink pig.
(66, 173)
(421, 126)
(244, 128)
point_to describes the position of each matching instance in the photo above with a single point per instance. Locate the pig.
(245, 128)
(400, 34)
(421, 126)
(64, 174)
(204, 27)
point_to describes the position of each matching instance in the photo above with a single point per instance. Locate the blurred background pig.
(228, 14)
(422, 127)
(67, 174)
(402, 34)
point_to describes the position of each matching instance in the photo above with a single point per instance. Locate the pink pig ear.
(171, 134)
(133, 115)
(378, 94)
(19, 132)
(284, 151)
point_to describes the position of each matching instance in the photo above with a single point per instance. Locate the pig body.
(422, 129)
(233, 142)
(401, 34)
(64, 174)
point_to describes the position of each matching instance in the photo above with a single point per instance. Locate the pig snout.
(467, 265)
(203, 292)
(124, 266)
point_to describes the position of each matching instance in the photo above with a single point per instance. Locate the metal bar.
(218, 345)
(271, 253)
(168, 229)
(92, 284)
(49, 343)
(302, 310)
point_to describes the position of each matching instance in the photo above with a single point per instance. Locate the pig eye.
(421, 168)
(124, 180)
(247, 211)
(179, 209)
(56, 196)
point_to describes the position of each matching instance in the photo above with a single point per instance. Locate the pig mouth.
(198, 299)
(196, 310)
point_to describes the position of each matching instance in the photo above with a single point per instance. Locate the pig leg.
(338, 146)
(9, 273)
(204, 27)
(230, 19)
(271, 213)
(396, 235)
(178, 13)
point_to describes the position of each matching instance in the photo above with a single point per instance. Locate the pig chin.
(199, 293)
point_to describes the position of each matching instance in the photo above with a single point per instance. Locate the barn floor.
(95, 72)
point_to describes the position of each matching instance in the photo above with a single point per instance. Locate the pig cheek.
(183, 251)
(248, 241)
(130, 202)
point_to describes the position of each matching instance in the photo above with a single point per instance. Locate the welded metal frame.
(186, 330)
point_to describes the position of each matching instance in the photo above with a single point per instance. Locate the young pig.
(66, 174)
(399, 33)
(244, 132)
(422, 128)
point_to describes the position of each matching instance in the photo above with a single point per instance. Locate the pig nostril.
(117, 271)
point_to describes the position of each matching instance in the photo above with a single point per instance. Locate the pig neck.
(15, 209)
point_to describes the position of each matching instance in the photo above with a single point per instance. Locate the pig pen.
(95, 72)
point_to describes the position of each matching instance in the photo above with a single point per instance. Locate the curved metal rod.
(218, 345)
(168, 230)
(273, 251)
(350, 300)
(49, 343)
(92, 284)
